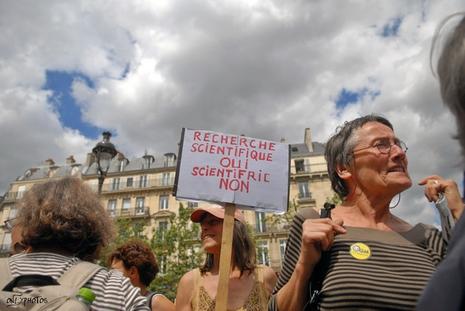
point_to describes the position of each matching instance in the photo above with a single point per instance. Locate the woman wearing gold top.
(249, 285)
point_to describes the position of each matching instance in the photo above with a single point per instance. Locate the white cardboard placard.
(224, 168)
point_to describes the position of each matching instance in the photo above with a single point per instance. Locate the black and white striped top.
(390, 275)
(113, 291)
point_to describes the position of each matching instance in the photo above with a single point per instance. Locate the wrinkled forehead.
(371, 131)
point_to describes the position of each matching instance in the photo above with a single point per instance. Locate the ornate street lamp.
(104, 152)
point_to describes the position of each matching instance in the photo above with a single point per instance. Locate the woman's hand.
(434, 185)
(317, 236)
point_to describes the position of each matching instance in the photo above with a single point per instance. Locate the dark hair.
(243, 250)
(64, 215)
(137, 254)
(339, 148)
(451, 71)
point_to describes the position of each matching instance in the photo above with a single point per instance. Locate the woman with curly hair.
(63, 223)
(136, 261)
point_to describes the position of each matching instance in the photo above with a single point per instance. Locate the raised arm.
(434, 185)
(307, 239)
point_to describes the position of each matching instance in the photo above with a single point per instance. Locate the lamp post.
(104, 151)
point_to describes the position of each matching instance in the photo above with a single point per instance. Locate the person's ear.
(343, 171)
(132, 272)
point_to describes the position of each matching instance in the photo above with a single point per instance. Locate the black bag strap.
(30, 280)
(316, 280)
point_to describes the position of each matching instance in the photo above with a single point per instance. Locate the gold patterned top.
(256, 301)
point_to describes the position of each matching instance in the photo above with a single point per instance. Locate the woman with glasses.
(361, 256)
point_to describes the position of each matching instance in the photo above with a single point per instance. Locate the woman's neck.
(215, 268)
(361, 211)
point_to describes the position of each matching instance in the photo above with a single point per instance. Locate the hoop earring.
(397, 203)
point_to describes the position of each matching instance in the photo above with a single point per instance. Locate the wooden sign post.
(225, 258)
(243, 172)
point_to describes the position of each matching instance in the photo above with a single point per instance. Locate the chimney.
(49, 162)
(70, 160)
(308, 139)
(282, 140)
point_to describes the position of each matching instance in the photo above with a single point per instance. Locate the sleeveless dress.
(256, 301)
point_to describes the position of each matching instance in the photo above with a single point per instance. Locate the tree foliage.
(177, 250)
(126, 229)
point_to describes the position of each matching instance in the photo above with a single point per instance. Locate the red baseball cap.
(215, 210)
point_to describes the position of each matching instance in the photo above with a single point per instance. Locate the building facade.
(141, 189)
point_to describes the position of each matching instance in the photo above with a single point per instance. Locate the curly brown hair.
(64, 215)
(137, 254)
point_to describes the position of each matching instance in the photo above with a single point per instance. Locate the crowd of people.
(356, 255)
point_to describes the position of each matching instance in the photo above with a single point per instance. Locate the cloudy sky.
(263, 68)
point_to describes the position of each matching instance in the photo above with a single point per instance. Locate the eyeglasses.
(10, 223)
(384, 147)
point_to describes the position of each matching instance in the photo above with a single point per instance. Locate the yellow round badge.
(360, 251)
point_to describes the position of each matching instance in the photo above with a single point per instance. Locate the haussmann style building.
(141, 189)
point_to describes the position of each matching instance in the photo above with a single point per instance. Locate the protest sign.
(249, 172)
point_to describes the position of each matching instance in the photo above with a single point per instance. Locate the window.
(162, 264)
(121, 165)
(140, 202)
(21, 190)
(143, 181)
(13, 212)
(115, 184)
(6, 243)
(299, 166)
(162, 228)
(129, 182)
(111, 207)
(191, 204)
(126, 206)
(260, 224)
(303, 190)
(262, 253)
(165, 179)
(282, 249)
(147, 161)
(163, 202)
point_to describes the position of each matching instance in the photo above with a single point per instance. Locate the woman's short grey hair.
(451, 72)
(339, 149)
(64, 215)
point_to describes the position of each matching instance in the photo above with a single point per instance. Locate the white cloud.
(261, 68)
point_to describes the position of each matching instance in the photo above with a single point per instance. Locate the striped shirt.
(370, 269)
(113, 291)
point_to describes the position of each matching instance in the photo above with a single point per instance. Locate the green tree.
(126, 229)
(335, 199)
(178, 251)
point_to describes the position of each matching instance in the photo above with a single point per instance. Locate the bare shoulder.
(160, 302)
(269, 278)
(188, 277)
(185, 291)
